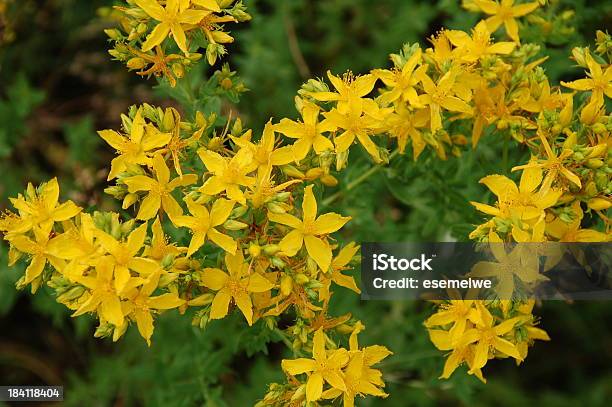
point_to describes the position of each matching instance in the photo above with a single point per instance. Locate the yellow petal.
(220, 304)
(309, 205)
(213, 278)
(149, 207)
(319, 251)
(220, 211)
(165, 301)
(292, 242)
(499, 185)
(224, 241)
(298, 366)
(258, 283)
(157, 36)
(144, 321)
(171, 207)
(285, 219)
(329, 222)
(314, 387)
(244, 303)
(207, 4)
(110, 310)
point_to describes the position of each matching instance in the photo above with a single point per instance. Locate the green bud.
(234, 225)
(72, 294)
(271, 249)
(113, 34)
(278, 263)
(594, 163)
(275, 208)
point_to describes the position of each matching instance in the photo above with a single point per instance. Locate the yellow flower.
(124, 256)
(237, 286)
(339, 264)
(518, 202)
(488, 336)
(264, 153)
(354, 125)
(172, 18)
(228, 174)
(505, 12)
(140, 304)
(359, 378)
(265, 189)
(471, 49)
(545, 101)
(438, 96)
(553, 163)
(203, 224)
(40, 208)
(308, 230)
(324, 366)
(136, 148)
(461, 352)
(492, 105)
(77, 245)
(308, 132)
(103, 297)
(599, 82)
(402, 82)
(40, 250)
(159, 190)
(177, 144)
(457, 312)
(521, 263)
(350, 91)
(160, 247)
(404, 125)
(571, 231)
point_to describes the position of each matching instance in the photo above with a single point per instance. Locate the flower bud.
(598, 151)
(254, 250)
(238, 211)
(278, 263)
(329, 180)
(201, 300)
(314, 173)
(72, 294)
(599, 204)
(286, 285)
(271, 249)
(275, 208)
(113, 34)
(594, 163)
(599, 128)
(234, 225)
(292, 172)
(301, 279)
(178, 70)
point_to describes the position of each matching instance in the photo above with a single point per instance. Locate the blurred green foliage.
(57, 86)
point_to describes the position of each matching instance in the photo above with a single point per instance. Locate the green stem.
(327, 201)
(505, 152)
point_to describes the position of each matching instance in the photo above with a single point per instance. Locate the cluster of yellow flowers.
(569, 173)
(258, 244)
(143, 45)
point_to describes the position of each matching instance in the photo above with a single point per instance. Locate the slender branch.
(327, 201)
(294, 46)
